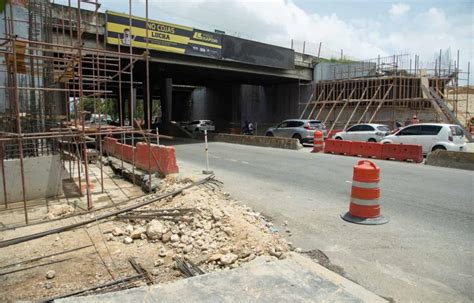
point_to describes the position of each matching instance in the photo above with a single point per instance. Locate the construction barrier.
(109, 145)
(366, 149)
(364, 206)
(339, 147)
(318, 142)
(402, 152)
(124, 152)
(157, 158)
(399, 152)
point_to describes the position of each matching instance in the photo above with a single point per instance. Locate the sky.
(363, 29)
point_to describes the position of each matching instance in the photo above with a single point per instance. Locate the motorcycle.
(248, 130)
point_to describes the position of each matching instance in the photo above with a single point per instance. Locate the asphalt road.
(425, 252)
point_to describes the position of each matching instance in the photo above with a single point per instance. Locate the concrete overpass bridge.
(243, 80)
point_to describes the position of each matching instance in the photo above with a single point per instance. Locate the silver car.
(300, 129)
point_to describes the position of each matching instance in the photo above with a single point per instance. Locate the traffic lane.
(312, 204)
(434, 189)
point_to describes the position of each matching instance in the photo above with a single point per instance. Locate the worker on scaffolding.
(413, 120)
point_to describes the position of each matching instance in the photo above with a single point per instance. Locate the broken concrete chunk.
(50, 274)
(217, 214)
(174, 238)
(118, 231)
(274, 252)
(48, 285)
(127, 240)
(155, 229)
(188, 248)
(215, 257)
(56, 211)
(129, 229)
(207, 226)
(166, 237)
(228, 258)
(244, 253)
(137, 232)
(184, 239)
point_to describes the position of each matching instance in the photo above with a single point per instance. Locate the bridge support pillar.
(166, 101)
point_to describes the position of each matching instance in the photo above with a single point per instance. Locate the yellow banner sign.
(125, 31)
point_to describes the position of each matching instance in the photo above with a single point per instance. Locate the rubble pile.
(218, 233)
(198, 231)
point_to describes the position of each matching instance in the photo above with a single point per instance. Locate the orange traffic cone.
(318, 142)
(365, 195)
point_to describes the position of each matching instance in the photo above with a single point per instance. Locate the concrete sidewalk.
(295, 279)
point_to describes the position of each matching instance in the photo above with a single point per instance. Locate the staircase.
(442, 108)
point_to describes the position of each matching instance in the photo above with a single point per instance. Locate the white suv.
(431, 136)
(364, 132)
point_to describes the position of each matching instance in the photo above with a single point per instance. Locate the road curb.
(355, 289)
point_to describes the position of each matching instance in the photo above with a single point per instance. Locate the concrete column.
(238, 101)
(166, 101)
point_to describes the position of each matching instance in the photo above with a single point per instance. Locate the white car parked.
(364, 132)
(200, 125)
(431, 136)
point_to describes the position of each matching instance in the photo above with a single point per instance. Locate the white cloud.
(435, 17)
(430, 32)
(399, 9)
(279, 21)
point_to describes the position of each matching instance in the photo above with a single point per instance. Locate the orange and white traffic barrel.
(318, 142)
(364, 207)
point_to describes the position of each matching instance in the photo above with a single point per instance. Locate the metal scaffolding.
(348, 93)
(48, 74)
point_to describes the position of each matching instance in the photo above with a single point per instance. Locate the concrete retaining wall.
(287, 143)
(461, 160)
(42, 178)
